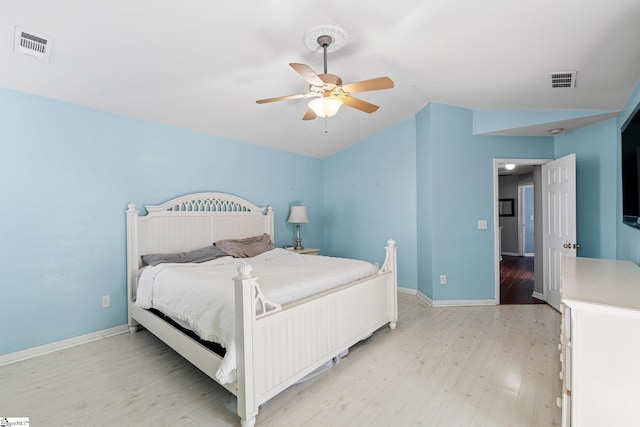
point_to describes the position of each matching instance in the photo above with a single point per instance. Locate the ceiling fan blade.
(309, 115)
(282, 98)
(359, 104)
(367, 85)
(307, 73)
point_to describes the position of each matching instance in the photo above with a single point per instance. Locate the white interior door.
(559, 221)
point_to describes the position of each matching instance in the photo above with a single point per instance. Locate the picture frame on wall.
(505, 207)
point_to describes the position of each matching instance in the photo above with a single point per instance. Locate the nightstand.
(307, 251)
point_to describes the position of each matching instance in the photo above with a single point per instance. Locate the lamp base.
(298, 246)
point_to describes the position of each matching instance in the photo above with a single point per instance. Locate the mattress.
(202, 295)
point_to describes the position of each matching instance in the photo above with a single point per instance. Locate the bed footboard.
(277, 346)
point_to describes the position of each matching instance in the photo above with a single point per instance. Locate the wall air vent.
(32, 45)
(563, 79)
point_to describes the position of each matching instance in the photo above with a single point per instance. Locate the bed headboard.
(190, 222)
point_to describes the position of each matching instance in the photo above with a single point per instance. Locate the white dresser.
(600, 343)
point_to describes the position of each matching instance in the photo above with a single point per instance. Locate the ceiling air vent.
(32, 45)
(563, 79)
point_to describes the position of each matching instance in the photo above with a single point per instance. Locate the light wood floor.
(452, 366)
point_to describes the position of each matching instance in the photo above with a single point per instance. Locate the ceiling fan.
(329, 92)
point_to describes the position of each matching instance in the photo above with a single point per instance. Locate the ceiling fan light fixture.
(327, 106)
(510, 166)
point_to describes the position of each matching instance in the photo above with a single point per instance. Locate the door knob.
(567, 246)
(576, 246)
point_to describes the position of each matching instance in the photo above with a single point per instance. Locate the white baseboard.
(455, 302)
(17, 356)
(510, 253)
(425, 298)
(409, 291)
(530, 254)
(463, 302)
(539, 296)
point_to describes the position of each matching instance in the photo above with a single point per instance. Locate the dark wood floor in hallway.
(516, 280)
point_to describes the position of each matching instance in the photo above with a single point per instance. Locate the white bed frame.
(276, 345)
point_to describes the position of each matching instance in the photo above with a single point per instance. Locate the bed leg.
(248, 423)
(134, 328)
(392, 325)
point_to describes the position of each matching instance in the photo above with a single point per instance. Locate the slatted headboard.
(191, 222)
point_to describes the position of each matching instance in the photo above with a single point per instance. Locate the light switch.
(482, 224)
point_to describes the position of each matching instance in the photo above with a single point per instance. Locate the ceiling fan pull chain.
(326, 125)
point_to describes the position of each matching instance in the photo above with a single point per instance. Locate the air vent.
(563, 79)
(32, 45)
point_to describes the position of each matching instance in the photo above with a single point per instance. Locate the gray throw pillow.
(197, 255)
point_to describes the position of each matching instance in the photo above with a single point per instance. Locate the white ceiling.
(201, 65)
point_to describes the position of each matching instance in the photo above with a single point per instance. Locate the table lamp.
(298, 216)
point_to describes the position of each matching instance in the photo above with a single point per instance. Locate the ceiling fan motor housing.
(324, 41)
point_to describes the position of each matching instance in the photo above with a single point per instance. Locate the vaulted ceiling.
(201, 65)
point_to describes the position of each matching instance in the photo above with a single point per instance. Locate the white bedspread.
(202, 295)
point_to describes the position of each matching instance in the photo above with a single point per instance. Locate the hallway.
(516, 280)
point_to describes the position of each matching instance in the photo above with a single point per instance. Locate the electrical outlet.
(443, 280)
(106, 301)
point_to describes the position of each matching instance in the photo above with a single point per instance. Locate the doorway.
(519, 278)
(517, 269)
(555, 222)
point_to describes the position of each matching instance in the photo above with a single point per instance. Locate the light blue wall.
(597, 167)
(66, 176)
(370, 197)
(455, 190)
(529, 232)
(424, 194)
(601, 233)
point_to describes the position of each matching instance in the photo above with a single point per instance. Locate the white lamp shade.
(298, 214)
(327, 106)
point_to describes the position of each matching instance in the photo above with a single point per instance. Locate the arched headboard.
(190, 222)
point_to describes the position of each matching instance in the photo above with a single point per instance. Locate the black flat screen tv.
(631, 172)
